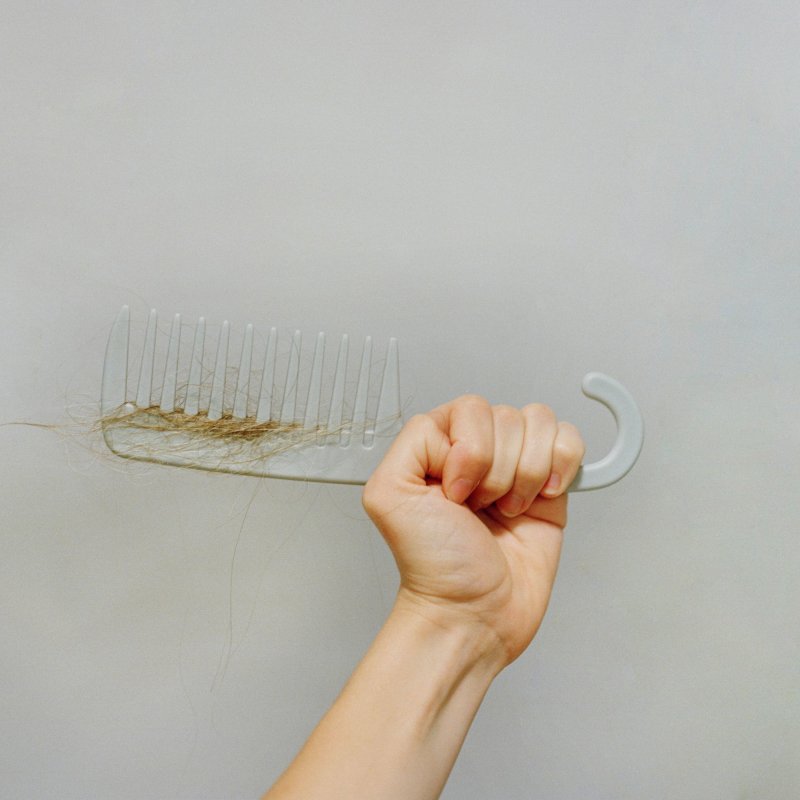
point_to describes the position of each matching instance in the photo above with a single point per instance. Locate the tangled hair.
(227, 444)
(223, 441)
(227, 428)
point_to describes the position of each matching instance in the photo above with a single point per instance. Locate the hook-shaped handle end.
(630, 434)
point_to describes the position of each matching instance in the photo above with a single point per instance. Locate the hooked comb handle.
(630, 434)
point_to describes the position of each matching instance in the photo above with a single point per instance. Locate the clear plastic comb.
(268, 419)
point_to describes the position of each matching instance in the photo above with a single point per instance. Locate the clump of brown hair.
(226, 428)
(175, 437)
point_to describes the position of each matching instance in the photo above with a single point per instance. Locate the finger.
(509, 431)
(568, 452)
(418, 451)
(469, 425)
(535, 459)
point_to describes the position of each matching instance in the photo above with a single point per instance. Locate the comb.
(283, 418)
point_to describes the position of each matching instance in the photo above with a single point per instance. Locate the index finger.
(468, 422)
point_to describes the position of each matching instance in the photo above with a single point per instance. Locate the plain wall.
(521, 193)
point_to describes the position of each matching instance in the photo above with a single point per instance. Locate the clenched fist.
(471, 500)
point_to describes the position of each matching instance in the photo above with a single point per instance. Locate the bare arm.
(476, 572)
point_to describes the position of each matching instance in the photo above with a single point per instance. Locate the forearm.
(398, 725)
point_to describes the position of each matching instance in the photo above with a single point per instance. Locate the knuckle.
(473, 401)
(419, 420)
(477, 457)
(569, 428)
(570, 436)
(567, 450)
(539, 412)
(421, 424)
(506, 413)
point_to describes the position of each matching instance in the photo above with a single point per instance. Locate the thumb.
(419, 452)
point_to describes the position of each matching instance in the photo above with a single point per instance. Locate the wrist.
(465, 641)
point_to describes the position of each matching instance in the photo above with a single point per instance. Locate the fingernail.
(552, 484)
(460, 490)
(511, 506)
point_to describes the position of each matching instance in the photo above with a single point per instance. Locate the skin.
(471, 501)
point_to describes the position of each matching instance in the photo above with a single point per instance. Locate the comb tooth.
(192, 405)
(388, 416)
(290, 386)
(243, 380)
(171, 368)
(218, 384)
(264, 413)
(315, 385)
(115, 367)
(360, 407)
(148, 355)
(337, 398)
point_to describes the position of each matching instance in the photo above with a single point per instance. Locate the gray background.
(521, 192)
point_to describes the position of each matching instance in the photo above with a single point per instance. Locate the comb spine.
(362, 389)
(336, 411)
(315, 385)
(170, 384)
(114, 391)
(264, 412)
(192, 405)
(288, 407)
(215, 405)
(243, 379)
(145, 388)
(388, 417)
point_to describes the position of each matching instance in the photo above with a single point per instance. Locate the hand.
(471, 500)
